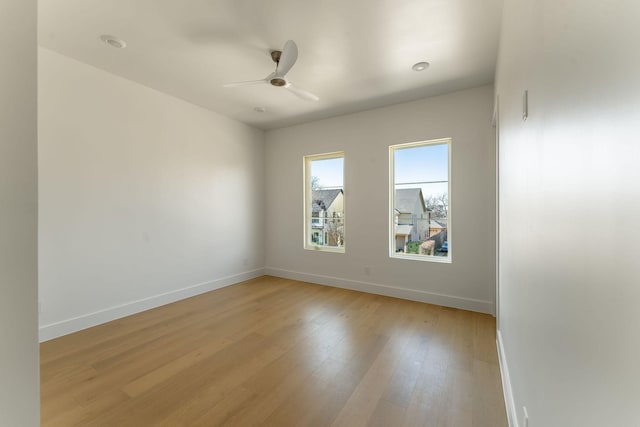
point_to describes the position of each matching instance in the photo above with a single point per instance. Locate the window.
(420, 218)
(324, 221)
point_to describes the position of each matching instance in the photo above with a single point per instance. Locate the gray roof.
(403, 230)
(405, 200)
(437, 224)
(322, 199)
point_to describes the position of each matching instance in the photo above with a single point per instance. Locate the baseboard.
(391, 291)
(64, 327)
(509, 403)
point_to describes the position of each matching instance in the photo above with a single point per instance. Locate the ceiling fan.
(284, 59)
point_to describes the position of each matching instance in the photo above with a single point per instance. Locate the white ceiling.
(354, 54)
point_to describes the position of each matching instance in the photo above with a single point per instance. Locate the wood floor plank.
(366, 397)
(278, 352)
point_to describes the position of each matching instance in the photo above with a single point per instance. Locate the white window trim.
(392, 252)
(308, 232)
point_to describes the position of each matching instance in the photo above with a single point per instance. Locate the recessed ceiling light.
(420, 66)
(113, 41)
(260, 109)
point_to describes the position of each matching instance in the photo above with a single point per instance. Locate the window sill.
(315, 248)
(428, 258)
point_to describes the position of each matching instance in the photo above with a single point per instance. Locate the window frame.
(307, 199)
(416, 257)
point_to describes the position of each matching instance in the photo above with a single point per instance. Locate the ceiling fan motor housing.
(275, 56)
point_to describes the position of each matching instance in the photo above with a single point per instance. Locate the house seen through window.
(324, 202)
(420, 218)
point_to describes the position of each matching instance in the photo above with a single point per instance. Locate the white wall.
(144, 198)
(19, 366)
(469, 282)
(570, 211)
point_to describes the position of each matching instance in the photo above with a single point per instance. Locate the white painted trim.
(509, 403)
(380, 289)
(308, 205)
(74, 324)
(496, 116)
(392, 194)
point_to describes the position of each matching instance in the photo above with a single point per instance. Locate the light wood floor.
(276, 352)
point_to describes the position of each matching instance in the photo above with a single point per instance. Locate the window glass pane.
(420, 224)
(325, 220)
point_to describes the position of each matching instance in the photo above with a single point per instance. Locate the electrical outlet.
(367, 271)
(245, 262)
(525, 417)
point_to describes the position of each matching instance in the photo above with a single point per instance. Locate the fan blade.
(288, 58)
(301, 93)
(247, 83)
